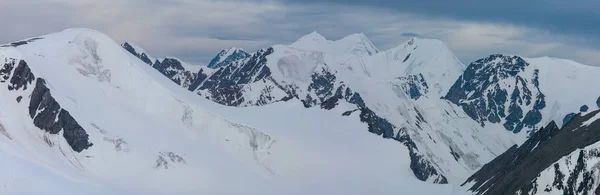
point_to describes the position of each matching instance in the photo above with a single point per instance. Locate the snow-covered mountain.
(429, 89)
(111, 118)
(393, 92)
(175, 69)
(524, 93)
(355, 44)
(226, 57)
(84, 116)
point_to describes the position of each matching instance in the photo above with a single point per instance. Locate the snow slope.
(355, 44)
(551, 161)
(414, 87)
(454, 118)
(404, 86)
(400, 88)
(145, 134)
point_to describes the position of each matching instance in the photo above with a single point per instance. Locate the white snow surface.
(280, 148)
(447, 128)
(565, 84)
(355, 44)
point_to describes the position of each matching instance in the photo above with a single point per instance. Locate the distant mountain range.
(315, 108)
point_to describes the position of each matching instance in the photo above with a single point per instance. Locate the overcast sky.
(195, 30)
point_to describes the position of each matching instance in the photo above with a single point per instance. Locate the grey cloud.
(410, 34)
(196, 30)
(576, 17)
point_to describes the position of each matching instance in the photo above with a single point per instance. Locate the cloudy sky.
(195, 30)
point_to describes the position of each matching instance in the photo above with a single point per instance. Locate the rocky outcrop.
(49, 116)
(170, 67)
(249, 82)
(226, 85)
(142, 56)
(414, 86)
(226, 57)
(328, 98)
(174, 70)
(489, 84)
(45, 111)
(518, 169)
(167, 159)
(22, 76)
(19, 43)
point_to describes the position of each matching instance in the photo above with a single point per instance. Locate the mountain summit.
(355, 44)
(226, 57)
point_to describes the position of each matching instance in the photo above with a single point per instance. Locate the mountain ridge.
(149, 134)
(436, 121)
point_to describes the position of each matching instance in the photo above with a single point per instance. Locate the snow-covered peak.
(429, 57)
(119, 107)
(225, 57)
(146, 131)
(231, 50)
(354, 44)
(358, 44)
(187, 66)
(313, 37)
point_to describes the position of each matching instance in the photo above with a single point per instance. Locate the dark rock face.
(6, 69)
(201, 76)
(414, 86)
(223, 59)
(170, 67)
(52, 118)
(43, 108)
(517, 168)
(141, 56)
(226, 85)
(406, 58)
(322, 85)
(75, 135)
(21, 77)
(480, 94)
(254, 70)
(19, 43)
(42, 100)
(173, 70)
(568, 118)
(229, 83)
